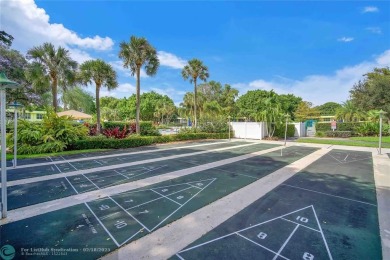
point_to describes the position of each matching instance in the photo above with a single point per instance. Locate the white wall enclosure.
(258, 130)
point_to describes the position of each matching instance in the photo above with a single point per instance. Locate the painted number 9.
(308, 256)
(302, 219)
(262, 235)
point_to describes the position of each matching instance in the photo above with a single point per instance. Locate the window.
(27, 116)
(39, 116)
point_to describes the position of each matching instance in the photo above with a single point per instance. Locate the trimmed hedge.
(341, 134)
(97, 143)
(279, 132)
(346, 126)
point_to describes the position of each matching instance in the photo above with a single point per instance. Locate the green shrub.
(213, 126)
(279, 131)
(372, 129)
(320, 134)
(95, 143)
(148, 129)
(340, 134)
(53, 134)
(346, 126)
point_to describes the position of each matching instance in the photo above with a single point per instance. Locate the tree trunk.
(137, 126)
(195, 99)
(54, 93)
(98, 125)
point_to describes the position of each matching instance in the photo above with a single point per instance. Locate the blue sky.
(316, 50)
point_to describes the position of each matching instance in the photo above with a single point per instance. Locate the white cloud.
(345, 39)
(31, 26)
(376, 30)
(320, 89)
(123, 90)
(126, 88)
(370, 9)
(170, 60)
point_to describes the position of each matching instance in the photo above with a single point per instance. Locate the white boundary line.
(123, 165)
(103, 226)
(128, 213)
(166, 197)
(285, 242)
(71, 185)
(253, 226)
(327, 194)
(114, 155)
(181, 258)
(322, 233)
(250, 240)
(301, 225)
(183, 204)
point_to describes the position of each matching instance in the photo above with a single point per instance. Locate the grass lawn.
(353, 141)
(26, 156)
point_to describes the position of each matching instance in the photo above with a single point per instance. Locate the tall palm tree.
(193, 70)
(349, 112)
(55, 65)
(102, 74)
(136, 54)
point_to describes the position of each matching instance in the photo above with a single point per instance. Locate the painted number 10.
(308, 256)
(302, 219)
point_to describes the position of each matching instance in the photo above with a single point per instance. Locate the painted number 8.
(308, 256)
(262, 235)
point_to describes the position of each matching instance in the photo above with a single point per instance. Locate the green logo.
(7, 252)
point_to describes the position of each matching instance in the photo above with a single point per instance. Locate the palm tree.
(54, 65)
(349, 112)
(102, 74)
(135, 54)
(194, 70)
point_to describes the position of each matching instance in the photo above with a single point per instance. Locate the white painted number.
(120, 224)
(262, 235)
(180, 197)
(199, 184)
(164, 190)
(308, 256)
(104, 207)
(302, 219)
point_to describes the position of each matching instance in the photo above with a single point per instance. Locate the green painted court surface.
(37, 192)
(112, 221)
(327, 211)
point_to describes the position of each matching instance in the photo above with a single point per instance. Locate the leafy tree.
(102, 74)
(194, 70)
(54, 65)
(228, 100)
(373, 92)
(271, 113)
(135, 54)
(14, 65)
(349, 112)
(80, 100)
(328, 109)
(289, 104)
(306, 111)
(6, 39)
(251, 104)
(110, 102)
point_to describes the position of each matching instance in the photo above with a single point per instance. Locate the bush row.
(104, 143)
(346, 126)
(279, 131)
(340, 134)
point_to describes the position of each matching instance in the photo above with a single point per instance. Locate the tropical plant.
(102, 74)
(53, 65)
(80, 100)
(272, 113)
(116, 133)
(54, 134)
(349, 112)
(194, 70)
(136, 54)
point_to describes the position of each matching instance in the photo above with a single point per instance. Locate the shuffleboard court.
(111, 152)
(111, 222)
(63, 167)
(326, 211)
(37, 192)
